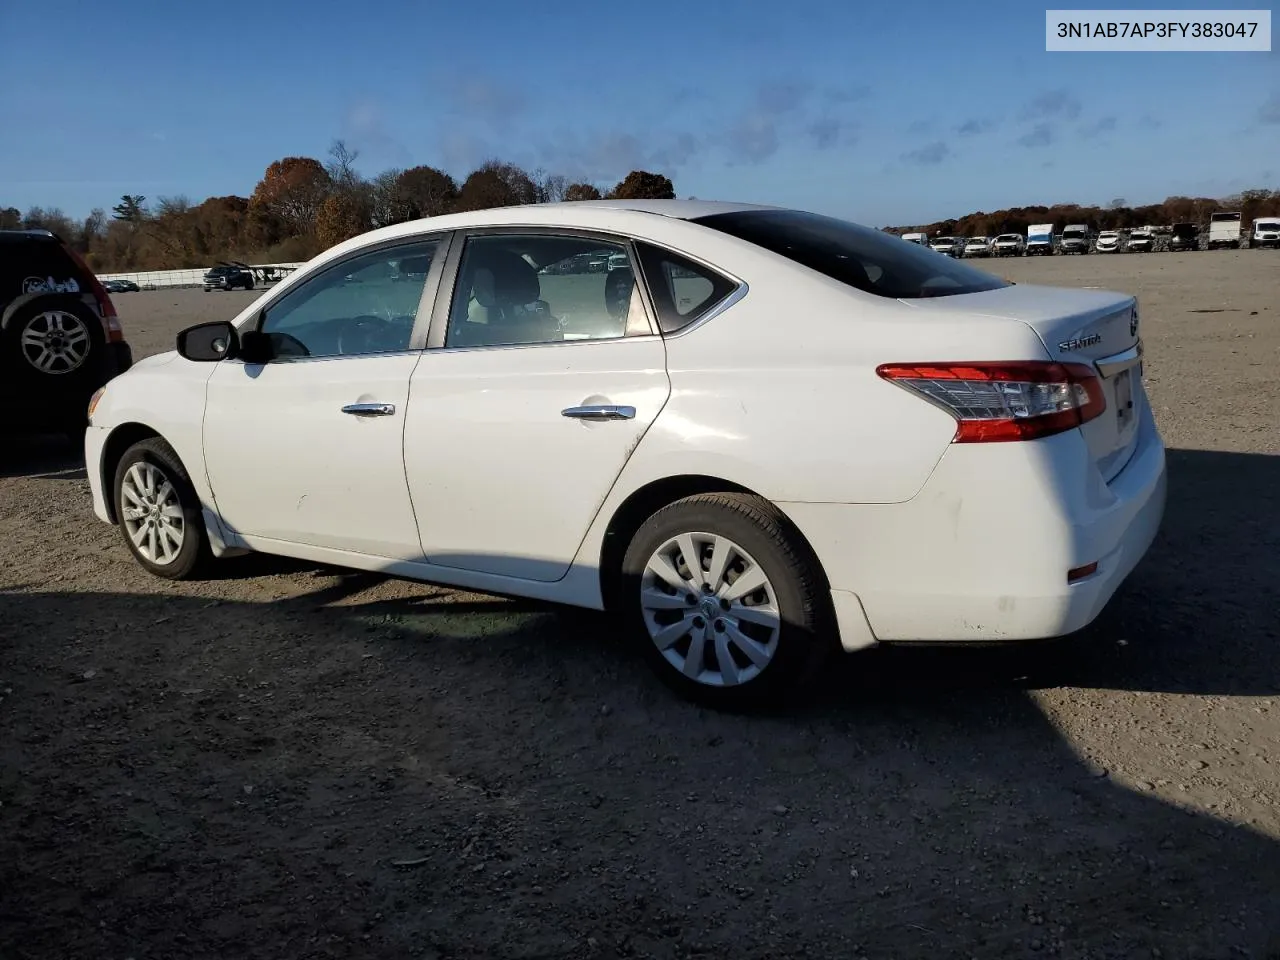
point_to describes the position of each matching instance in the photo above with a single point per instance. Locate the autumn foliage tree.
(291, 192)
(581, 191)
(341, 217)
(643, 185)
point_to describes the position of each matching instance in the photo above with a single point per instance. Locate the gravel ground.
(299, 762)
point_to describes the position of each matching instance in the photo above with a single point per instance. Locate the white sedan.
(762, 436)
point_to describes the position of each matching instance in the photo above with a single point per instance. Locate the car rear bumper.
(981, 553)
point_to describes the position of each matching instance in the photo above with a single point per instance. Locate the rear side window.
(683, 291)
(38, 265)
(870, 260)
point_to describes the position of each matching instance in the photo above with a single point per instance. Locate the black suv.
(228, 277)
(60, 338)
(1185, 236)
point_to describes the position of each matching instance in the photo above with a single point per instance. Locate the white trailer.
(1224, 230)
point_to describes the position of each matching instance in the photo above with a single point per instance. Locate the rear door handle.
(599, 411)
(370, 409)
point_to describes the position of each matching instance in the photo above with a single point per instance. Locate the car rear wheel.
(159, 511)
(726, 600)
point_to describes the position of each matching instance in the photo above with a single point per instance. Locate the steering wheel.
(361, 334)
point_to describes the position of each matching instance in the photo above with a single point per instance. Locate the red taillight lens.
(995, 402)
(109, 316)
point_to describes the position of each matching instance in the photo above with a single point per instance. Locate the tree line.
(302, 206)
(1117, 215)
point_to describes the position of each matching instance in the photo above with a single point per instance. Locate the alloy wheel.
(152, 513)
(55, 342)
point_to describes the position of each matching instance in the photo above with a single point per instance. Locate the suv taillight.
(995, 402)
(110, 319)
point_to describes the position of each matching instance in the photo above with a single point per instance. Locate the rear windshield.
(867, 259)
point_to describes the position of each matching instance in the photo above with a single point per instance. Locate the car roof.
(16, 236)
(622, 215)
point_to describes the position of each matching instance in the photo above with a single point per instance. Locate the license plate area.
(1124, 399)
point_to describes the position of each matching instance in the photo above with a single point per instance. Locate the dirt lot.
(297, 762)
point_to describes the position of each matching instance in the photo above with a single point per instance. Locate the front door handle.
(370, 409)
(599, 411)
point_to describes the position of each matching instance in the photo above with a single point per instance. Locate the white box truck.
(1040, 239)
(1224, 230)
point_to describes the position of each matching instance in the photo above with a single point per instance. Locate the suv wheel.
(54, 340)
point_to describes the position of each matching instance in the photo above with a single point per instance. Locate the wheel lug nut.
(719, 625)
(724, 604)
(706, 588)
(690, 599)
(699, 622)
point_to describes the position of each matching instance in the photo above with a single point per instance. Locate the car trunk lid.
(1095, 327)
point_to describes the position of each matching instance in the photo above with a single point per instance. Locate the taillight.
(995, 402)
(110, 318)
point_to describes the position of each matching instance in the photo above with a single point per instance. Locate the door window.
(543, 288)
(366, 304)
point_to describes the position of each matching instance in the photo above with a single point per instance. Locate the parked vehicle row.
(1041, 239)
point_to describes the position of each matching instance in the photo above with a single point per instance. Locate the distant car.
(120, 286)
(918, 238)
(1184, 237)
(1008, 245)
(60, 337)
(1141, 240)
(228, 278)
(1109, 241)
(977, 247)
(1265, 233)
(951, 246)
(609, 441)
(1076, 238)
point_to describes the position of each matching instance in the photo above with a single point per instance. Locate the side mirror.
(256, 347)
(209, 342)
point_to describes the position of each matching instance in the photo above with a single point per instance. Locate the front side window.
(543, 288)
(366, 304)
(870, 260)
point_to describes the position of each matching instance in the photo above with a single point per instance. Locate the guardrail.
(156, 279)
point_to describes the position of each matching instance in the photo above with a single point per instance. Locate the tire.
(769, 658)
(154, 461)
(54, 342)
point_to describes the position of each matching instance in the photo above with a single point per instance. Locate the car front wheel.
(159, 511)
(726, 600)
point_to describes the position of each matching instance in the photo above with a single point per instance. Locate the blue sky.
(882, 112)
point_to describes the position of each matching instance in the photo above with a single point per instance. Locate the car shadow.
(41, 456)
(458, 776)
(209, 777)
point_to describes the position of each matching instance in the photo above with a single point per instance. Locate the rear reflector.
(994, 402)
(1079, 573)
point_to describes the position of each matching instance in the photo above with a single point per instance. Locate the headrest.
(617, 291)
(415, 265)
(501, 278)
